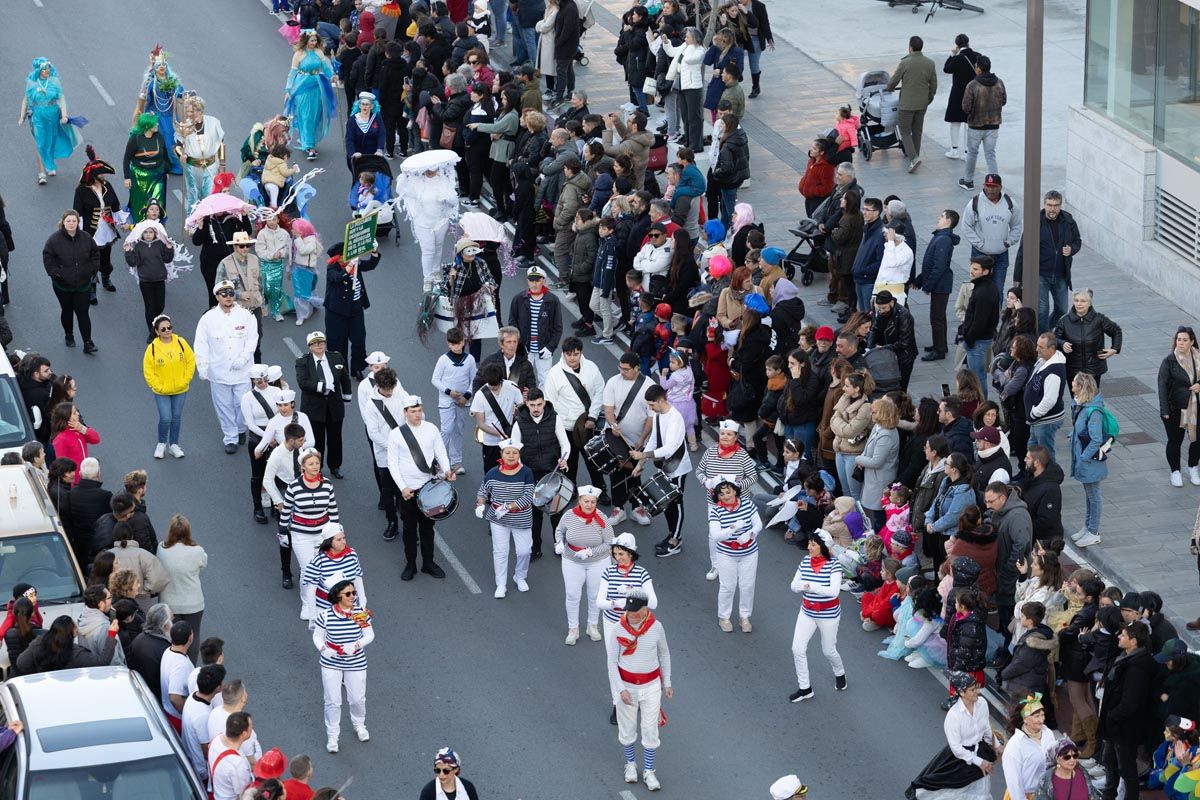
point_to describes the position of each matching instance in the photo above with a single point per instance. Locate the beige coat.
(545, 30)
(247, 278)
(850, 423)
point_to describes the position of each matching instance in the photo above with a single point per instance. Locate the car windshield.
(163, 776)
(14, 427)
(43, 561)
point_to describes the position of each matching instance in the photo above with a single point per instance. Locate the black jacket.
(15, 646)
(91, 209)
(145, 658)
(958, 436)
(983, 311)
(36, 394)
(213, 237)
(142, 529)
(522, 373)
(1050, 245)
(787, 318)
(733, 161)
(633, 53)
(89, 501)
(1086, 335)
(566, 29)
(389, 80)
(71, 261)
(895, 332)
(313, 401)
(1043, 498)
(453, 111)
(802, 399)
(1125, 716)
(550, 326)
(539, 446)
(27, 664)
(1026, 672)
(339, 288)
(150, 259)
(1174, 388)
(759, 10)
(966, 641)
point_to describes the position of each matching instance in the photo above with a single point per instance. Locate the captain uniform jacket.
(311, 381)
(224, 345)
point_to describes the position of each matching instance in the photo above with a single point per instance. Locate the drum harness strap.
(585, 398)
(629, 398)
(414, 447)
(671, 462)
(505, 423)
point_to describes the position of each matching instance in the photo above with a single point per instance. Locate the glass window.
(163, 776)
(1121, 60)
(42, 560)
(14, 427)
(1178, 91)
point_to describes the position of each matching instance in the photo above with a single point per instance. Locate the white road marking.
(291, 345)
(457, 565)
(627, 795)
(178, 194)
(38, 3)
(104, 95)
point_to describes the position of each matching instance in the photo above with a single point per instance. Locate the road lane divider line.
(457, 565)
(627, 795)
(38, 3)
(104, 95)
(291, 345)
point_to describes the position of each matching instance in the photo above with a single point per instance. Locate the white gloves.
(479, 511)
(623, 590)
(584, 554)
(745, 538)
(558, 548)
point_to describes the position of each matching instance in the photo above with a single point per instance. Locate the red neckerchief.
(539, 295)
(629, 644)
(625, 570)
(513, 470)
(726, 452)
(590, 518)
(729, 506)
(817, 562)
(335, 556)
(320, 478)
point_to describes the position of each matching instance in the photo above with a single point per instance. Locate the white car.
(90, 733)
(15, 427)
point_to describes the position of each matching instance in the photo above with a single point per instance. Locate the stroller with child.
(363, 201)
(879, 110)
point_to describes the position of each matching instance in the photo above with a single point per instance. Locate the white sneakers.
(572, 637)
(331, 745)
(619, 517)
(954, 153)
(160, 450)
(631, 772)
(176, 451)
(593, 633)
(501, 592)
(641, 517)
(711, 575)
(522, 586)
(1177, 479)
(1088, 539)
(916, 660)
(746, 626)
(1194, 475)
(363, 734)
(870, 625)
(651, 780)
(725, 625)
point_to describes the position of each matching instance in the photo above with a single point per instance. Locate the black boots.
(756, 91)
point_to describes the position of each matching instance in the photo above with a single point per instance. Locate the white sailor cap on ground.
(378, 357)
(286, 396)
(589, 491)
(258, 371)
(787, 787)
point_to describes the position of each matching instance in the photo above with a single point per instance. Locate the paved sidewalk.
(1146, 522)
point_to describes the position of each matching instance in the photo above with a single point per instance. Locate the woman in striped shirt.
(308, 504)
(725, 460)
(616, 582)
(581, 538)
(340, 634)
(819, 578)
(335, 561)
(733, 528)
(505, 500)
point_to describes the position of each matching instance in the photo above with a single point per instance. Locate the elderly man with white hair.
(147, 648)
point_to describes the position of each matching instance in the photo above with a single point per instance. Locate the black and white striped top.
(740, 465)
(306, 509)
(578, 534)
(535, 314)
(499, 489)
(341, 631)
(615, 584)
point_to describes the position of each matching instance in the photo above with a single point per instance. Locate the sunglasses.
(240, 246)
(444, 770)
(162, 328)
(225, 293)
(350, 593)
(1069, 756)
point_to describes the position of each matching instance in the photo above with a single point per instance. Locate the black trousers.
(375, 467)
(623, 292)
(712, 195)
(501, 182)
(1175, 435)
(594, 475)
(583, 296)
(106, 266)
(937, 320)
(285, 551)
(478, 165)
(1120, 761)
(328, 433)
(491, 456)
(418, 529)
(395, 123)
(564, 81)
(208, 270)
(73, 306)
(674, 512)
(258, 468)
(1004, 614)
(623, 484)
(388, 492)
(154, 300)
(348, 335)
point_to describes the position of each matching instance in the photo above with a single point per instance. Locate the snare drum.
(657, 494)
(554, 493)
(437, 499)
(607, 452)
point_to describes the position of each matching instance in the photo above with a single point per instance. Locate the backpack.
(1111, 431)
(975, 204)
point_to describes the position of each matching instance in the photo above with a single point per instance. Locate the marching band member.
(733, 528)
(626, 414)
(452, 377)
(819, 579)
(375, 362)
(285, 414)
(308, 504)
(416, 455)
(639, 674)
(584, 539)
(283, 467)
(505, 500)
(340, 635)
(334, 562)
(494, 406)
(539, 425)
(576, 389)
(383, 407)
(258, 406)
(668, 444)
(621, 577)
(726, 459)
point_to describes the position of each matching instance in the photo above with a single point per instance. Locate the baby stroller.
(810, 263)
(381, 201)
(879, 110)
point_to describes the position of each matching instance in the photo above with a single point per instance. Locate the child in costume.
(925, 644)
(877, 609)
(276, 173)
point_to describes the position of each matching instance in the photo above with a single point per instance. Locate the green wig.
(144, 123)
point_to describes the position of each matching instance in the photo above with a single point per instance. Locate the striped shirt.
(341, 631)
(577, 534)
(821, 598)
(650, 654)
(326, 569)
(739, 465)
(616, 583)
(535, 313)
(725, 526)
(306, 509)
(498, 490)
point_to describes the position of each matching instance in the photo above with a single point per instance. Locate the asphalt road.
(448, 667)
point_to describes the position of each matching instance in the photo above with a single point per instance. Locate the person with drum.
(416, 458)
(583, 538)
(505, 500)
(382, 408)
(819, 580)
(726, 460)
(258, 406)
(576, 388)
(285, 414)
(626, 415)
(619, 578)
(539, 426)
(494, 406)
(667, 448)
(308, 503)
(733, 527)
(340, 636)
(375, 362)
(335, 561)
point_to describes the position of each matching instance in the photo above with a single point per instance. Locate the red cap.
(987, 434)
(992, 179)
(271, 765)
(824, 333)
(663, 310)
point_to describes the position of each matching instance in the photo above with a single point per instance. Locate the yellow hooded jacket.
(168, 368)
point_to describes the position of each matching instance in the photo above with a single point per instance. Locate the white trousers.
(523, 540)
(227, 402)
(304, 546)
(736, 572)
(542, 362)
(355, 682)
(648, 699)
(451, 421)
(712, 552)
(432, 242)
(806, 626)
(575, 576)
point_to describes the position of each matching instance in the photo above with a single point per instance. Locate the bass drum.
(606, 452)
(657, 494)
(437, 499)
(554, 493)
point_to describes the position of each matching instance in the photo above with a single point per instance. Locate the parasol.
(482, 227)
(220, 203)
(430, 159)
